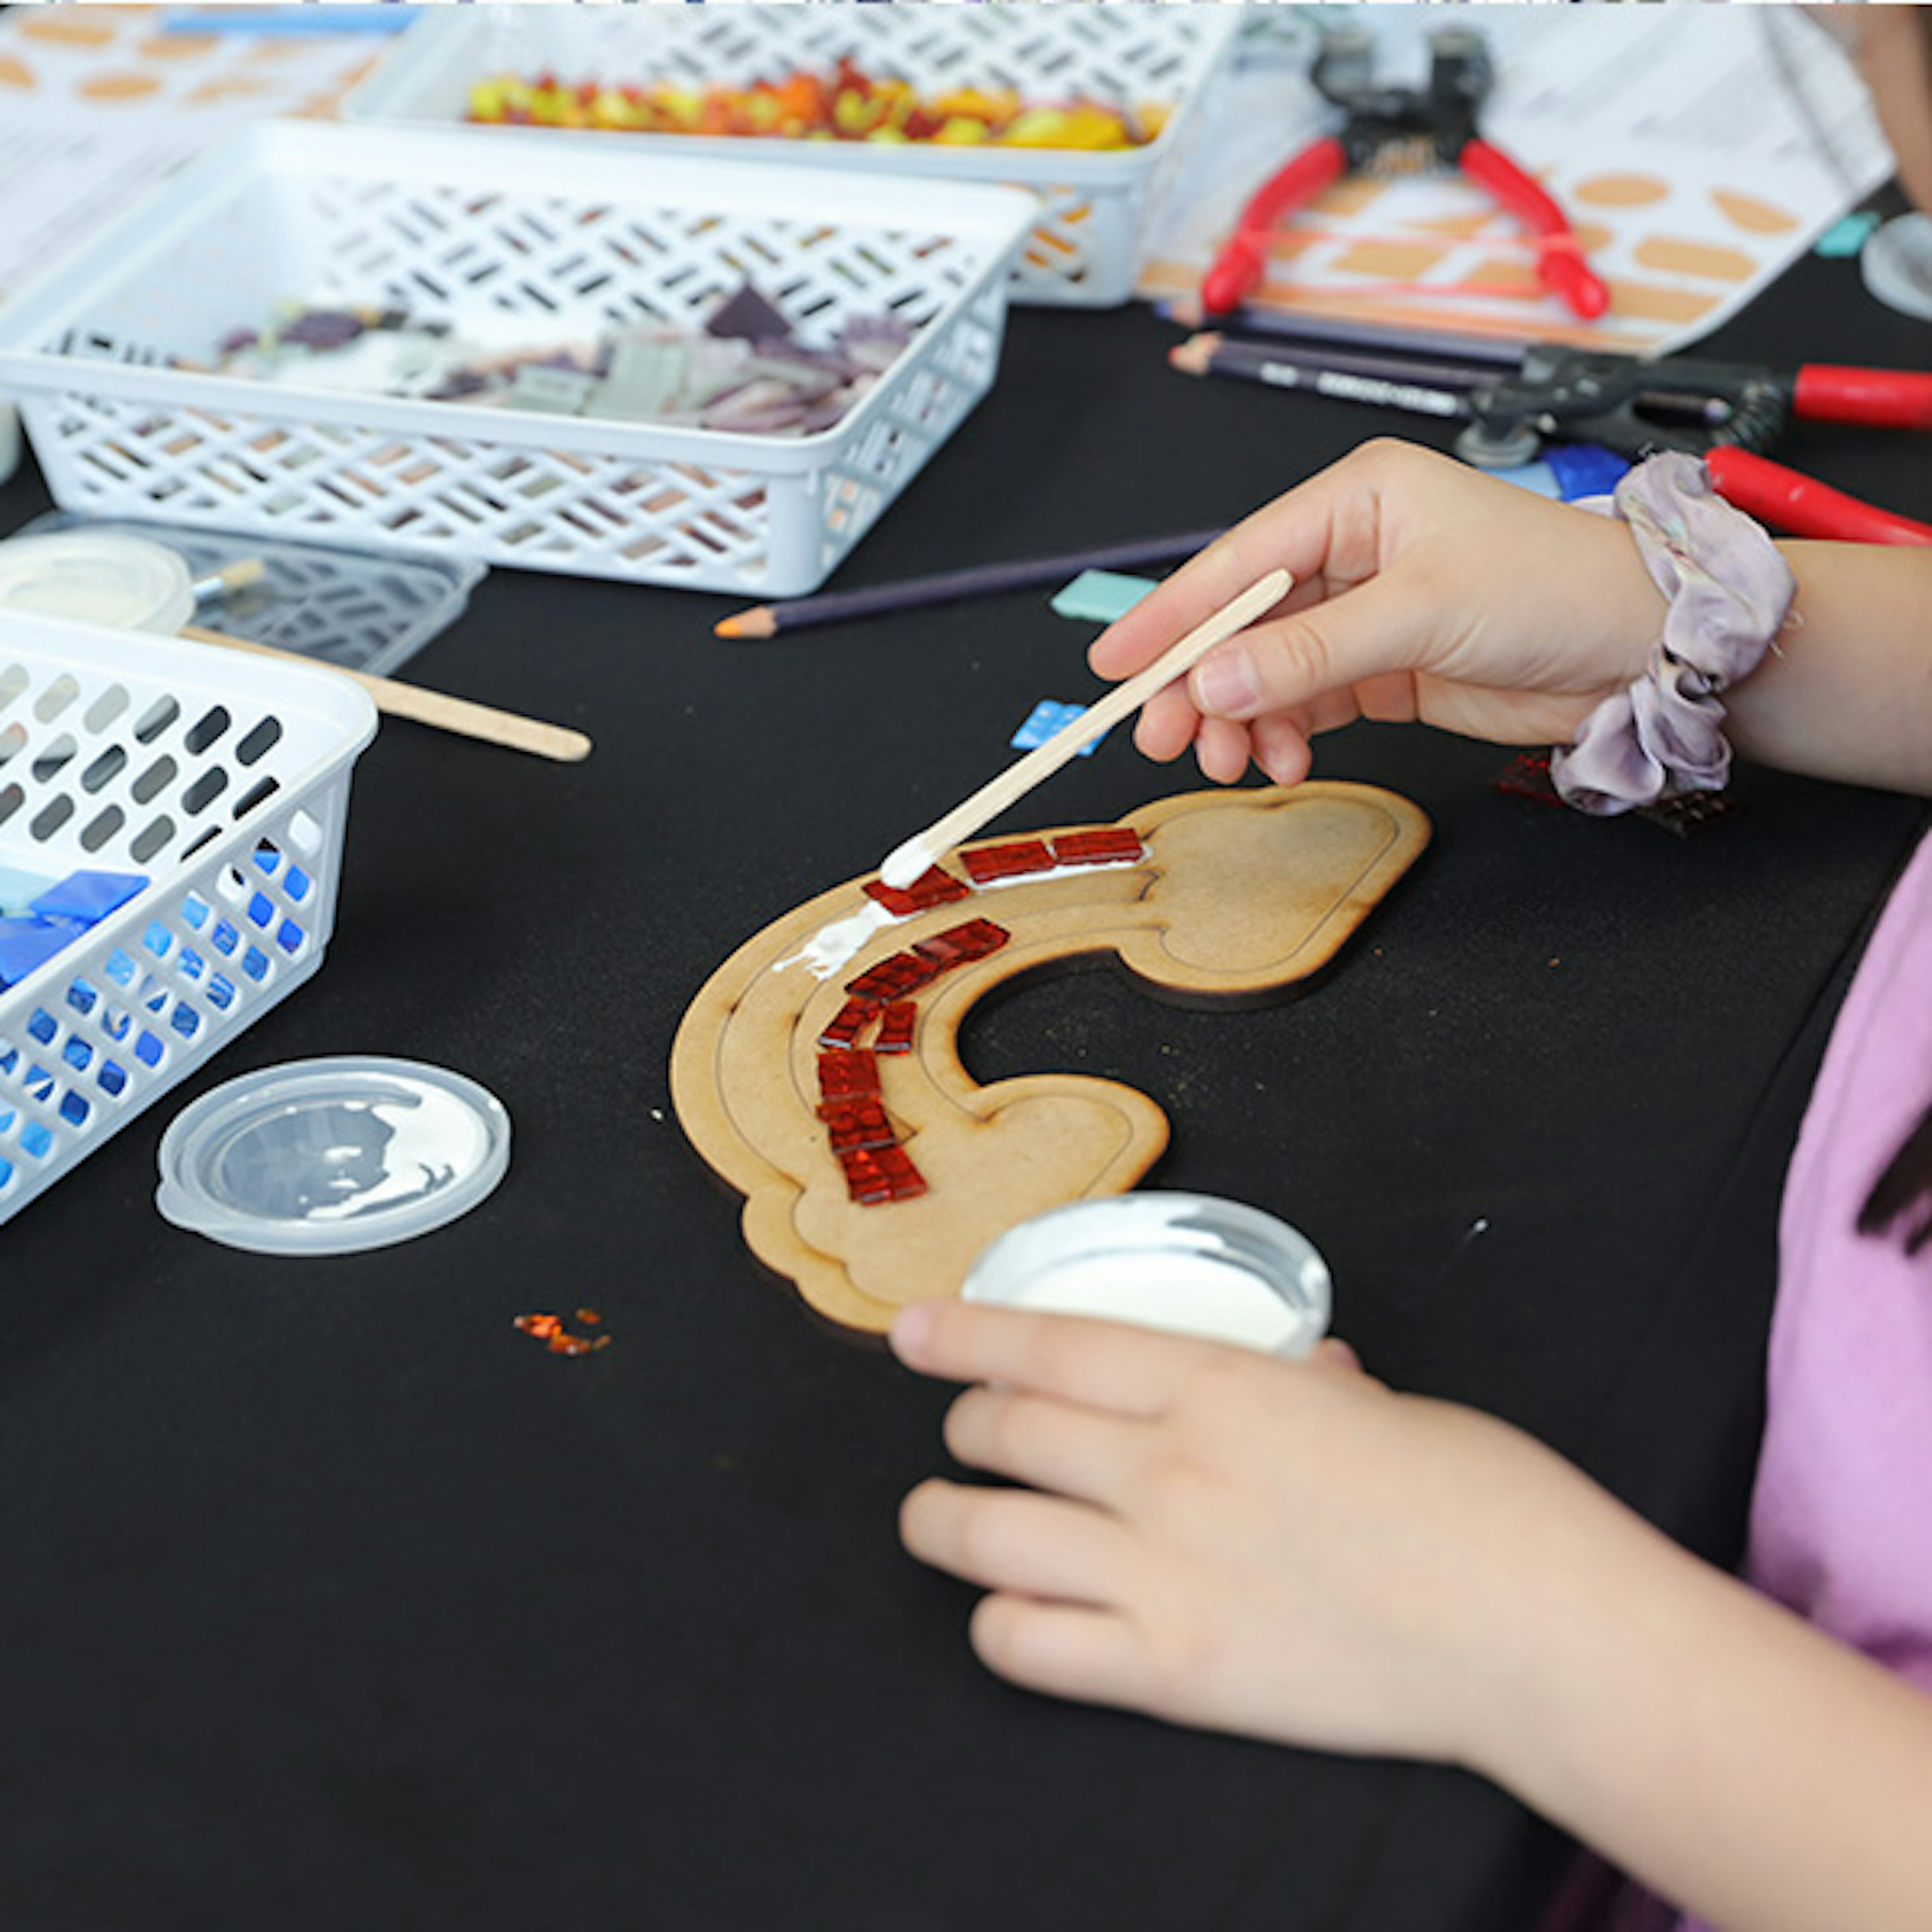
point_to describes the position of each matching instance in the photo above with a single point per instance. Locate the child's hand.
(1287, 1550)
(1423, 590)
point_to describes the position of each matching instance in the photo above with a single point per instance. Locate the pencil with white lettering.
(1417, 385)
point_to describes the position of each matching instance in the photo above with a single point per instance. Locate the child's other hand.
(1423, 591)
(1287, 1550)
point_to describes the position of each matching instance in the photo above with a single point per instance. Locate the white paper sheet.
(1697, 150)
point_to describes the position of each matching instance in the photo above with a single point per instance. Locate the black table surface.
(331, 1600)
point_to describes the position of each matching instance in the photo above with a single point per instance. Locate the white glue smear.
(835, 946)
(831, 946)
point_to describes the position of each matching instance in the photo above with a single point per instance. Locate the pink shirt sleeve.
(1841, 1516)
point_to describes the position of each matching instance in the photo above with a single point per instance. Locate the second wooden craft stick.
(907, 862)
(434, 708)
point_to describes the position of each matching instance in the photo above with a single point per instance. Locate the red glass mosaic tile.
(931, 888)
(941, 949)
(1009, 861)
(896, 1027)
(887, 1174)
(906, 1180)
(842, 1032)
(1105, 845)
(973, 941)
(862, 1126)
(843, 1075)
(866, 1179)
(895, 977)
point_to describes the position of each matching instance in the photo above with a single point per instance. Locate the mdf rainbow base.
(1241, 895)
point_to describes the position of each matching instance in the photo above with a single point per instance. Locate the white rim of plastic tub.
(1185, 1264)
(91, 577)
(356, 1192)
(1896, 263)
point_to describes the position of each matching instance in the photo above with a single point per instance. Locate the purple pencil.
(953, 586)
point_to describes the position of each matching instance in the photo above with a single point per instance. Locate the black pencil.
(1420, 385)
(951, 586)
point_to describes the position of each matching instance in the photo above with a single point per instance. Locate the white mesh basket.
(460, 226)
(223, 780)
(1085, 246)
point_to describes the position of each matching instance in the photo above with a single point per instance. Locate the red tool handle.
(1238, 269)
(1802, 507)
(1560, 265)
(1888, 398)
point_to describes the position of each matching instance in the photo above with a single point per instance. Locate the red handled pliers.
(1724, 411)
(1402, 130)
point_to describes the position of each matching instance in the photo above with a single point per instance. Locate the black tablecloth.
(332, 1601)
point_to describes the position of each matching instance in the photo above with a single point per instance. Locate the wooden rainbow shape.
(1241, 894)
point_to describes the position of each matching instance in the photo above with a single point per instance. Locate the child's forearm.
(1745, 1767)
(1846, 693)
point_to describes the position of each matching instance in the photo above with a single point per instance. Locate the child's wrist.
(1575, 1635)
(1729, 590)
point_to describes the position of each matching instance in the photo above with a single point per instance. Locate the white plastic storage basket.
(223, 781)
(1085, 244)
(459, 227)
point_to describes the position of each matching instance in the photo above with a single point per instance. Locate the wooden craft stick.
(910, 861)
(433, 708)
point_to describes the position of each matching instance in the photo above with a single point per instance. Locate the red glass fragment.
(842, 1032)
(885, 1174)
(973, 941)
(906, 1180)
(894, 977)
(861, 1124)
(1009, 861)
(1528, 776)
(896, 1027)
(1105, 845)
(866, 1181)
(549, 1329)
(941, 949)
(841, 1075)
(932, 887)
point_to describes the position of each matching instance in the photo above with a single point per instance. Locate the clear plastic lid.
(1190, 1264)
(358, 610)
(332, 1156)
(96, 577)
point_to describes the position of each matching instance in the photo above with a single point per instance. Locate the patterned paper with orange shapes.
(126, 58)
(1697, 150)
(97, 104)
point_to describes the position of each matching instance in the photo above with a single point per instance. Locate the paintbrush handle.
(1017, 779)
(434, 708)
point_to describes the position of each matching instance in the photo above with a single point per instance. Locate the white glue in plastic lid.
(332, 1156)
(92, 577)
(1190, 1264)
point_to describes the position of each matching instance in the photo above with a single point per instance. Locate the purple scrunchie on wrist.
(1729, 591)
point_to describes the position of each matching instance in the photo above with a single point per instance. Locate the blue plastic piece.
(1585, 470)
(1847, 235)
(27, 944)
(1569, 471)
(1047, 717)
(19, 889)
(1100, 595)
(89, 897)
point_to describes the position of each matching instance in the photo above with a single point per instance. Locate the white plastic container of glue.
(1189, 1264)
(95, 578)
